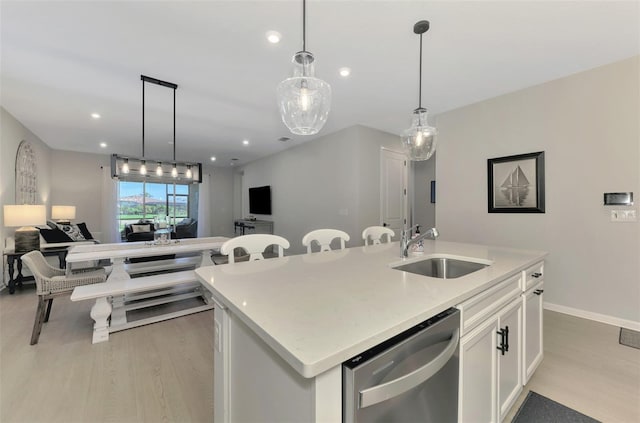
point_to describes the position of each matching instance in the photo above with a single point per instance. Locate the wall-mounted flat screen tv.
(260, 200)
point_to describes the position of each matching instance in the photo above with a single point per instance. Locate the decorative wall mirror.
(26, 174)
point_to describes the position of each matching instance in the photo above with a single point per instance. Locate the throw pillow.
(140, 228)
(72, 232)
(54, 235)
(85, 232)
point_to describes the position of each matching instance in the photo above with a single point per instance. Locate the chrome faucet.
(406, 241)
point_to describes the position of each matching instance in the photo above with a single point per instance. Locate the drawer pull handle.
(538, 291)
(503, 347)
(536, 275)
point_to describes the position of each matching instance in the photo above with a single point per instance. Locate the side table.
(12, 257)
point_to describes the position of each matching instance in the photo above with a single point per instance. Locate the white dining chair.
(324, 237)
(254, 245)
(376, 234)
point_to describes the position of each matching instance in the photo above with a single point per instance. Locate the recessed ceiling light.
(344, 72)
(213, 158)
(245, 142)
(103, 144)
(273, 37)
(95, 115)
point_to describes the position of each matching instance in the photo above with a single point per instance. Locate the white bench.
(115, 298)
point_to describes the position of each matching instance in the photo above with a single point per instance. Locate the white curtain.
(204, 206)
(109, 225)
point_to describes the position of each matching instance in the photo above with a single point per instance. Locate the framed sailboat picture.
(516, 183)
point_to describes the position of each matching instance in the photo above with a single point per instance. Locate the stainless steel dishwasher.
(412, 377)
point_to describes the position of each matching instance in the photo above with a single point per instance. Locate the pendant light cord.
(174, 125)
(143, 118)
(420, 77)
(304, 25)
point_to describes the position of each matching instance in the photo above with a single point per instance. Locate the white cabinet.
(532, 350)
(509, 356)
(490, 365)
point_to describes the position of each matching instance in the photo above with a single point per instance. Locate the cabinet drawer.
(477, 309)
(533, 275)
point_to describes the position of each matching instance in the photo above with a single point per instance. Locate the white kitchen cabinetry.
(490, 353)
(532, 348)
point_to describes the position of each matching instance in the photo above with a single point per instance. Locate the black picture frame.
(433, 192)
(515, 184)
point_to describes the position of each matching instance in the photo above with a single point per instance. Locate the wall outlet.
(624, 215)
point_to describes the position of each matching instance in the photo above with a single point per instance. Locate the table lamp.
(27, 238)
(63, 214)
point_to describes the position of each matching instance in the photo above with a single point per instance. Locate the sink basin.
(444, 268)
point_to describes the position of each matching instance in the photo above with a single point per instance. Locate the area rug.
(630, 338)
(539, 409)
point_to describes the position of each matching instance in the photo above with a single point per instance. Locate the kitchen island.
(284, 326)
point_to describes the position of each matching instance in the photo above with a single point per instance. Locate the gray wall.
(587, 124)
(221, 201)
(12, 133)
(76, 180)
(331, 182)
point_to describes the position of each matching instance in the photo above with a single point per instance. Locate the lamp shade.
(304, 100)
(419, 141)
(24, 215)
(63, 212)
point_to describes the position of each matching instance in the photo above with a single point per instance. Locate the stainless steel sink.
(445, 268)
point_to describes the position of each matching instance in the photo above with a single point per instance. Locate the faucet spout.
(406, 241)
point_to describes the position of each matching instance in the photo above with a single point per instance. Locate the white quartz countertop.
(318, 310)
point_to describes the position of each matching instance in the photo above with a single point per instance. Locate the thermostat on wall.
(618, 198)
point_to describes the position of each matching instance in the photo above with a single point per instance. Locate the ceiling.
(63, 60)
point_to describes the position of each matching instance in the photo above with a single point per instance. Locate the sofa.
(142, 230)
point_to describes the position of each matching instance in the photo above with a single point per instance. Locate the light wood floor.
(156, 373)
(164, 372)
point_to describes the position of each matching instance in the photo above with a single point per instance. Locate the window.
(146, 200)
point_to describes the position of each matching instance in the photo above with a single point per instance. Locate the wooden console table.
(13, 257)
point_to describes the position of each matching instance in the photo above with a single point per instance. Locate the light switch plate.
(629, 215)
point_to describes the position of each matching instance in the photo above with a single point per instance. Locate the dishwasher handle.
(393, 388)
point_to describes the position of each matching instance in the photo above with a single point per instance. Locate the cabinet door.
(509, 360)
(478, 360)
(533, 343)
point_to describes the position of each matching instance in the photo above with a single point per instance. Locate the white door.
(393, 190)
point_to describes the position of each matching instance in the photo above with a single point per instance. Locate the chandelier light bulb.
(159, 169)
(143, 168)
(125, 166)
(174, 171)
(189, 174)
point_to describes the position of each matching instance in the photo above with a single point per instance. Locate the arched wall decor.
(26, 174)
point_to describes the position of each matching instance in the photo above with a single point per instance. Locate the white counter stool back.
(52, 282)
(254, 245)
(323, 238)
(376, 234)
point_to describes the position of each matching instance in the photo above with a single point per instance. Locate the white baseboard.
(602, 318)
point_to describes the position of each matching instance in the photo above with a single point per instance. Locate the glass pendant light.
(143, 168)
(189, 174)
(159, 169)
(304, 100)
(174, 171)
(419, 141)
